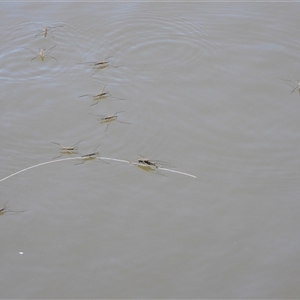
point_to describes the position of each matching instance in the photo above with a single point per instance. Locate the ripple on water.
(146, 40)
(21, 47)
(146, 45)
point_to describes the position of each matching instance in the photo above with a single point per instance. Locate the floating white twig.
(115, 159)
(178, 172)
(101, 158)
(41, 164)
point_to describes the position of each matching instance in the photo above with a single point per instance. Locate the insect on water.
(5, 210)
(108, 119)
(90, 156)
(154, 164)
(100, 65)
(148, 165)
(46, 30)
(294, 88)
(146, 162)
(101, 96)
(42, 53)
(67, 149)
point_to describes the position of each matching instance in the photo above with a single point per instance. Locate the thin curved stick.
(38, 165)
(115, 159)
(81, 157)
(183, 173)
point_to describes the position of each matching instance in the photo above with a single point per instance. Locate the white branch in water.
(38, 165)
(101, 158)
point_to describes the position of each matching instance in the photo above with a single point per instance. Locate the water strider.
(67, 149)
(5, 210)
(100, 64)
(45, 30)
(42, 53)
(147, 162)
(108, 119)
(150, 165)
(101, 96)
(90, 156)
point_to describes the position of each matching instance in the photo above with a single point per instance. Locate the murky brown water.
(202, 91)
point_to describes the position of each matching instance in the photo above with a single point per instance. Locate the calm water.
(202, 91)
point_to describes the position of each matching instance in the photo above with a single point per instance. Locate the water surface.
(202, 91)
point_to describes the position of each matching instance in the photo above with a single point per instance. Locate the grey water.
(200, 87)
